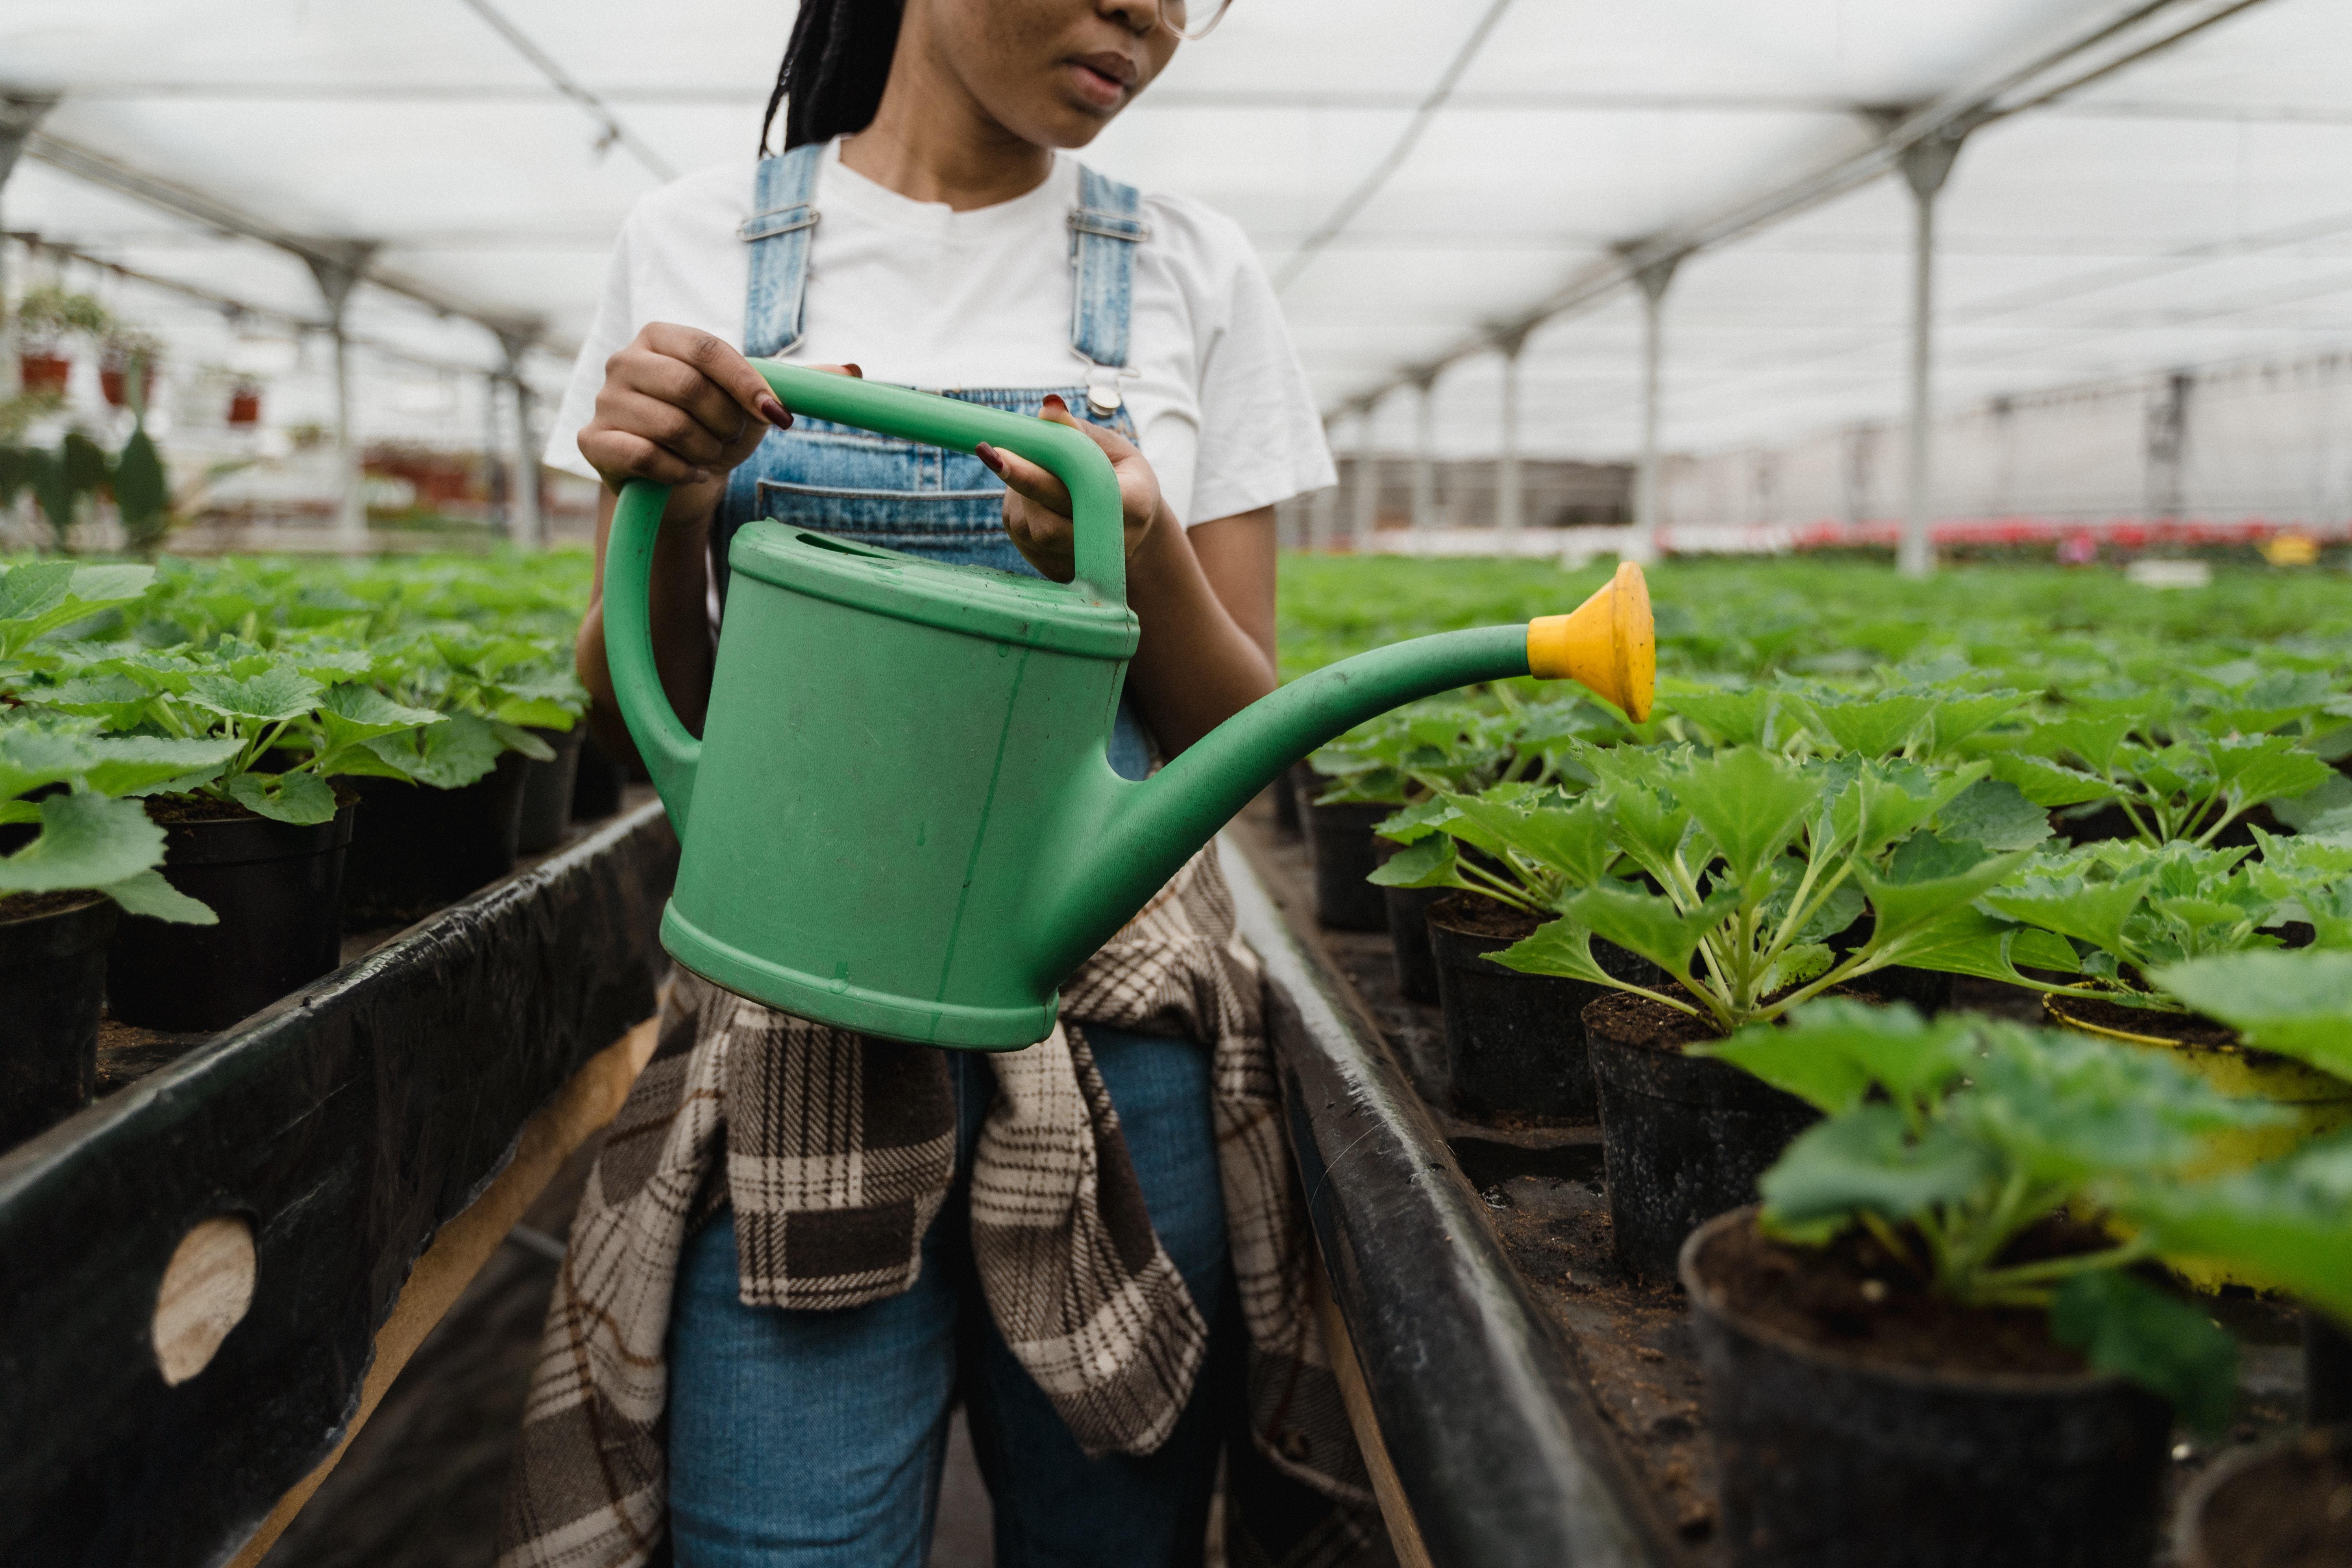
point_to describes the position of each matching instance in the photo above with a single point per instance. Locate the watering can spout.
(1149, 829)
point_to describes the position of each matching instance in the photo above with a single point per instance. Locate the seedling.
(73, 786)
(1949, 1140)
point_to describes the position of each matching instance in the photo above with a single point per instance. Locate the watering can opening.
(901, 818)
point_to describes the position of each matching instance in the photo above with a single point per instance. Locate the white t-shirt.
(920, 295)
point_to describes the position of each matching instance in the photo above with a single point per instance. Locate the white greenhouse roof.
(1414, 174)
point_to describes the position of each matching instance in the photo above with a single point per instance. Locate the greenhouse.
(1176, 782)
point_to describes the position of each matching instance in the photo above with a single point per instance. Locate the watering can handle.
(1098, 529)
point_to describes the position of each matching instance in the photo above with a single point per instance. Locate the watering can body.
(901, 818)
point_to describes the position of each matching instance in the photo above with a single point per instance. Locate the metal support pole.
(18, 116)
(337, 276)
(1424, 459)
(1506, 470)
(1653, 279)
(525, 528)
(1367, 499)
(1925, 166)
(2167, 448)
(494, 475)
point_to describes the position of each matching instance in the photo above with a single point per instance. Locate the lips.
(1104, 78)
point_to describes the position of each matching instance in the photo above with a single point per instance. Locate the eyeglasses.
(1193, 20)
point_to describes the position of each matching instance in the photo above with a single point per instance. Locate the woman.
(802, 1248)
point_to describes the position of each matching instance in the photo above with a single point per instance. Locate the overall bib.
(816, 1438)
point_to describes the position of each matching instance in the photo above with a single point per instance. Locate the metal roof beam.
(2138, 32)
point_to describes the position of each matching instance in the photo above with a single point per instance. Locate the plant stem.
(2049, 1268)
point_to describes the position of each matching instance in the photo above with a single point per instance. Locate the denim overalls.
(817, 1437)
(898, 494)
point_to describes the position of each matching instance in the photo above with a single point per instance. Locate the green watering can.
(901, 818)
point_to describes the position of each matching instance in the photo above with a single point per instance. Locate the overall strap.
(1104, 234)
(778, 232)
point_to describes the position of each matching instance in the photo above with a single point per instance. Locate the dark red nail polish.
(856, 370)
(990, 456)
(1054, 401)
(775, 414)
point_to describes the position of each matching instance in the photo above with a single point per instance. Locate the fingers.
(1025, 478)
(720, 364)
(620, 456)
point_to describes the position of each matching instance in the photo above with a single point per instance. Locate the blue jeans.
(814, 1439)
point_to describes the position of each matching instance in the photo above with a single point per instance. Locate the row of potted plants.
(211, 772)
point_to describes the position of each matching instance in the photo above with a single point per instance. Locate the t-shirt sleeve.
(1261, 435)
(614, 325)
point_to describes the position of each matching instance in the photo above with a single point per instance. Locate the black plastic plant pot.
(419, 848)
(278, 890)
(547, 789)
(53, 979)
(2279, 1506)
(2326, 1372)
(1408, 909)
(1826, 1459)
(1340, 839)
(1289, 789)
(1683, 1138)
(597, 782)
(1514, 1041)
(1928, 990)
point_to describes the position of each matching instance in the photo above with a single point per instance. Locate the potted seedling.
(126, 367)
(1371, 771)
(1505, 859)
(1934, 1343)
(262, 836)
(445, 811)
(86, 854)
(2172, 765)
(2135, 916)
(1747, 864)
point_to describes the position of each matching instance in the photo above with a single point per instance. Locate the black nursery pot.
(1928, 990)
(2326, 1371)
(1515, 1042)
(1408, 909)
(1825, 1460)
(53, 976)
(1683, 1138)
(2278, 1506)
(419, 848)
(1340, 839)
(597, 781)
(547, 790)
(278, 888)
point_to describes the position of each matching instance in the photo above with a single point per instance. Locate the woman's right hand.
(680, 408)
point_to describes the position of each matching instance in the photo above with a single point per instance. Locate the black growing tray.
(346, 1123)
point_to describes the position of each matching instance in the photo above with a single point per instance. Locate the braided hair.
(831, 81)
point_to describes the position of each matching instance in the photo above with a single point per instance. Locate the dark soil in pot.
(597, 781)
(419, 848)
(53, 978)
(1416, 962)
(1515, 1042)
(1340, 839)
(2100, 823)
(2326, 1372)
(547, 791)
(2288, 1505)
(278, 889)
(1860, 1422)
(1683, 1138)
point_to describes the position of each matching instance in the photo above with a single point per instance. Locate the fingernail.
(1055, 403)
(775, 414)
(990, 456)
(854, 370)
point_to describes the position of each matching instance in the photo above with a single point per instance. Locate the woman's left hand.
(1037, 505)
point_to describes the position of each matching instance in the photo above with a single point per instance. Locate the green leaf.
(2269, 767)
(1995, 815)
(86, 841)
(2296, 1003)
(149, 895)
(1427, 863)
(350, 714)
(1573, 841)
(2048, 785)
(143, 490)
(514, 738)
(2284, 1221)
(1749, 802)
(1877, 727)
(1645, 923)
(2128, 1326)
(1956, 718)
(1904, 904)
(448, 756)
(1831, 1052)
(304, 799)
(272, 697)
(1562, 947)
(1866, 1161)
(2088, 912)
(1729, 718)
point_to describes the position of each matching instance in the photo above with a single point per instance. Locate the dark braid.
(831, 81)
